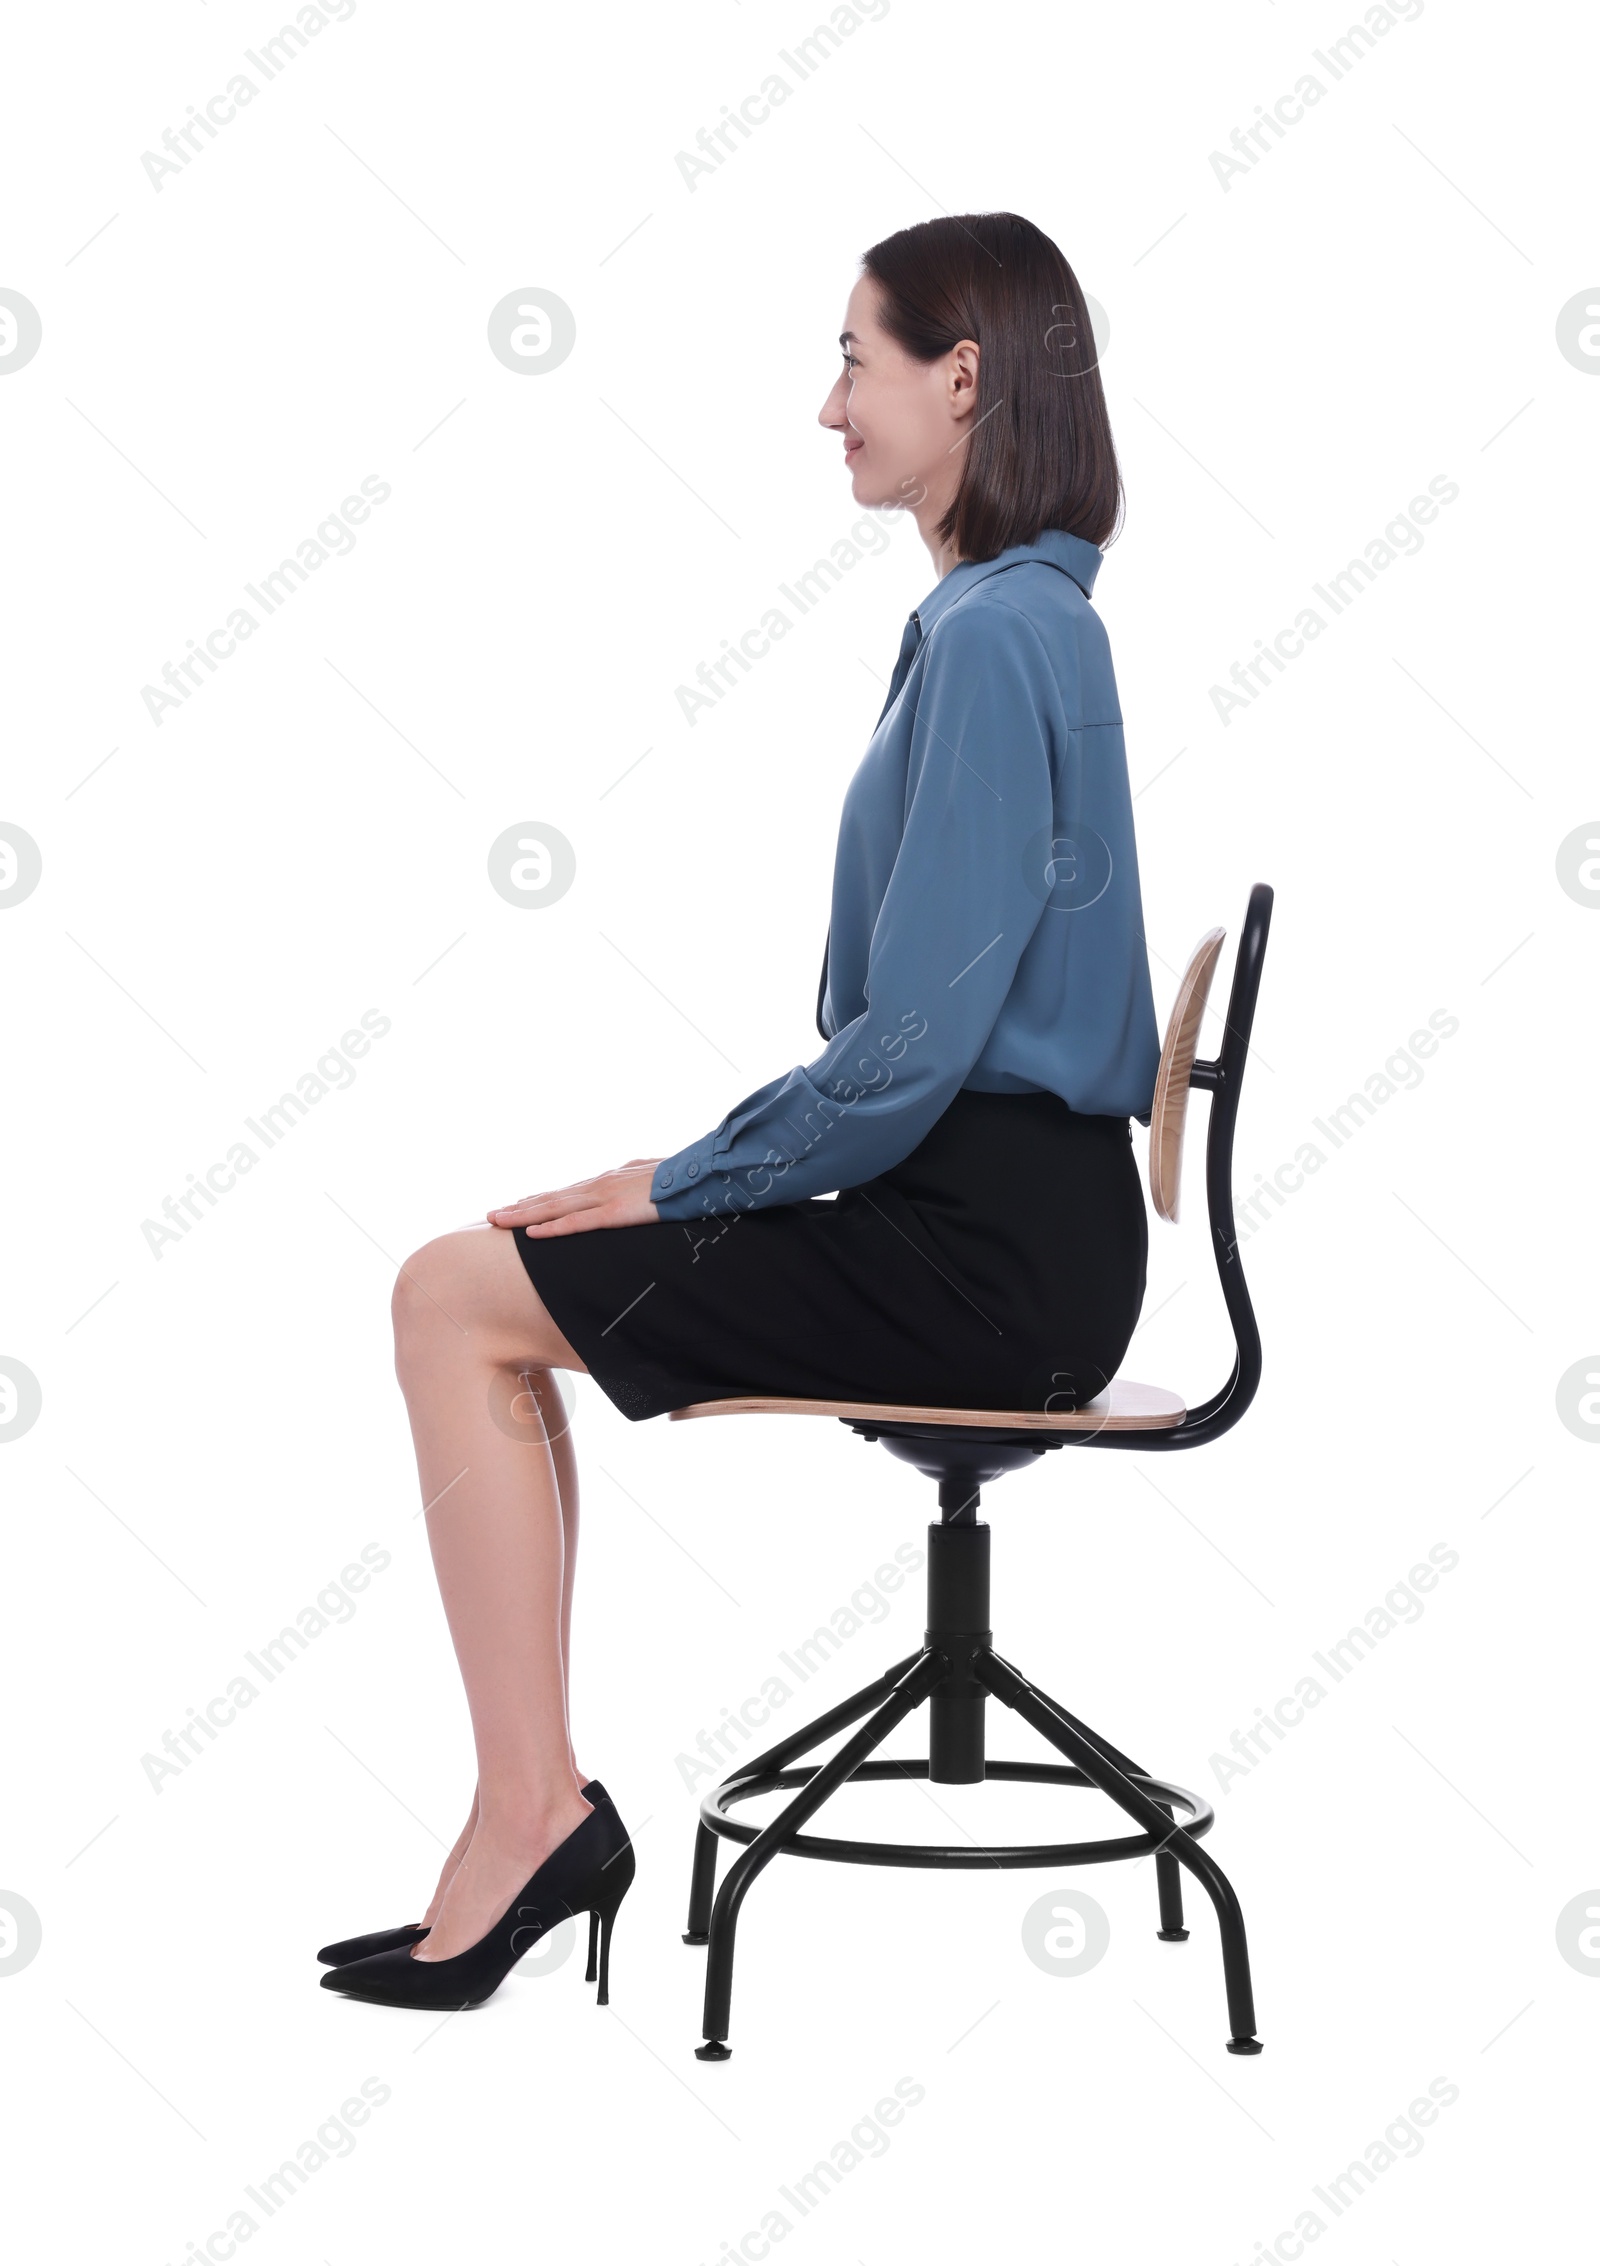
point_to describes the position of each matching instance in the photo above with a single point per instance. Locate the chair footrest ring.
(959, 1856)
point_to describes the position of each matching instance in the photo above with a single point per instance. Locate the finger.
(542, 1207)
(570, 1223)
(595, 1191)
(576, 1190)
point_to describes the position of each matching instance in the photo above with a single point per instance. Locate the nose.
(832, 413)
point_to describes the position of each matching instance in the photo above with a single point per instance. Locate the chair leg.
(924, 1672)
(1008, 1686)
(702, 1885)
(704, 1878)
(1169, 1877)
(1169, 1893)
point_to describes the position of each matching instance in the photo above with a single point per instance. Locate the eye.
(850, 361)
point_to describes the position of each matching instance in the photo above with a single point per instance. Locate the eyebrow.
(848, 338)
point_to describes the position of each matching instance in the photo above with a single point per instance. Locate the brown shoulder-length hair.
(1040, 452)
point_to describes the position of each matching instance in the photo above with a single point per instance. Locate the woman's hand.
(619, 1198)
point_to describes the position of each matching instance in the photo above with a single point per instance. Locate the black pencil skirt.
(1000, 1265)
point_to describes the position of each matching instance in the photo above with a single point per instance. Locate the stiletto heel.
(604, 1913)
(351, 1948)
(591, 1871)
(602, 1996)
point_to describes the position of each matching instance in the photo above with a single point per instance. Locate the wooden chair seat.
(1123, 1407)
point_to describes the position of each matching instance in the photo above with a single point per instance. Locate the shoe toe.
(372, 1972)
(394, 1978)
(350, 1948)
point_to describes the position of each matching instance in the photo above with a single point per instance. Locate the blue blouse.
(986, 928)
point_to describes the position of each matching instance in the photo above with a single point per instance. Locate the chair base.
(962, 1856)
(956, 1671)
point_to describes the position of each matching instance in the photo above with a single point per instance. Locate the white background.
(1290, 360)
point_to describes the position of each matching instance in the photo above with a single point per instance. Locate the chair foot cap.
(1172, 1935)
(713, 2050)
(1244, 2045)
(691, 1937)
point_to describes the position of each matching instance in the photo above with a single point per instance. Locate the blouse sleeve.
(959, 909)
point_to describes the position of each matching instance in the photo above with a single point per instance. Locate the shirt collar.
(1075, 557)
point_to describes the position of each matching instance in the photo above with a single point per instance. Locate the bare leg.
(564, 1456)
(470, 1335)
(447, 1871)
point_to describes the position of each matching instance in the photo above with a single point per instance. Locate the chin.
(866, 491)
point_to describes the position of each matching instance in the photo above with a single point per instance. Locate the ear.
(962, 377)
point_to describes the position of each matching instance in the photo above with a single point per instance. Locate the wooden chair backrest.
(1170, 1108)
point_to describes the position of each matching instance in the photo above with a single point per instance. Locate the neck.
(943, 554)
(938, 493)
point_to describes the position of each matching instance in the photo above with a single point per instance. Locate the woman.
(989, 1030)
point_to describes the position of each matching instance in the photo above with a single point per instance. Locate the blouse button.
(693, 1171)
(666, 1180)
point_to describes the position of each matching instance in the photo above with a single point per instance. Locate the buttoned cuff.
(680, 1183)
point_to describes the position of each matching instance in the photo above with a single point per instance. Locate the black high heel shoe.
(350, 1948)
(591, 1871)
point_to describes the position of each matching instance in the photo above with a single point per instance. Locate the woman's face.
(902, 421)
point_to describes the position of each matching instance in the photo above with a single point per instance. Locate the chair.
(956, 1669)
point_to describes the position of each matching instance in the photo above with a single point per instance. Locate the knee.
(420, 1305)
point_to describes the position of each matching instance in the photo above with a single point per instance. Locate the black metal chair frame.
(956, 1669)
